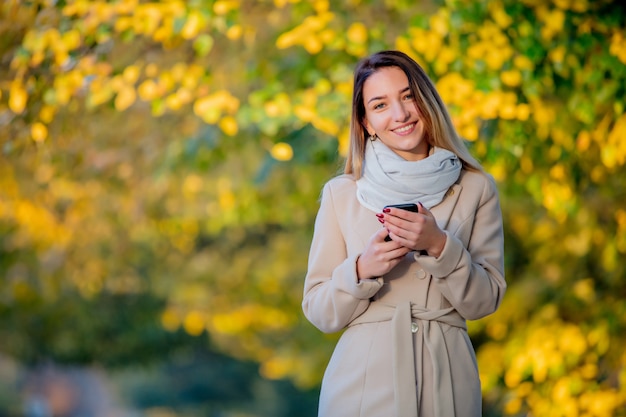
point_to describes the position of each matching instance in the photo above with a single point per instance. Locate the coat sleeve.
(472, 278)
(332, 295)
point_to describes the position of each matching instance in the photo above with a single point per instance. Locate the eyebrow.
(405, 89)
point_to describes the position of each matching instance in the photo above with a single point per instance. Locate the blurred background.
(160, 169)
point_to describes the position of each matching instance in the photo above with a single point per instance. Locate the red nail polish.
(380, 215)
(381, 220)
(386, 210)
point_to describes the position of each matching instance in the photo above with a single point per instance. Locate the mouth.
(406, 129)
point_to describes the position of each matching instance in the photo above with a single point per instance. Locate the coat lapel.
(443, 210)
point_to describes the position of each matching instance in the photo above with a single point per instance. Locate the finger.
(400, 253)
(381, 235)
(401, 214)
(423, 210)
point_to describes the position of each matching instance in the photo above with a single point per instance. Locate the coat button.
(421, 274)
(414, 327)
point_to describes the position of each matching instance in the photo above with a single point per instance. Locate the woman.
(403, 302)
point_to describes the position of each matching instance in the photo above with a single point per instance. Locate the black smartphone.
(404, 206)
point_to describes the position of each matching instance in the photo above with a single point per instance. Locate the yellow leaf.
(616, 144)
(193, 26)
(490, 106)
(557, 54)
(174, 102)
(583, 141)
(313, 44)
(234, 32)
(228, 125)
(497, 56)
(618, 46)
(227, 324)
(558, 172)
(222, 7)
(470, 132)
(34, 41)
(148, 90)
(511, 78)
(357, 33)
(17, 97)
(131, 74)
(210, 115)
(287, 40)
(584, 289)
(52, 37)
(526, 164)
(522, 62)
(439, 23)
(523, 111)
(147, 18)
(282, 151)
(507, 111)
(46, 114)
(209, 108)
(499, 15)
(279, 107)
(498, 170)
(39, 132)
(121, 7)
(99, 93)
(194, 323)
(304, 113)
(123, 23)
(71, 39)
(325, 125)
(321, 6)
(513, 406)
(125, 98)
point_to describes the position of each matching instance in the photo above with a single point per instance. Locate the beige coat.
(405, 346)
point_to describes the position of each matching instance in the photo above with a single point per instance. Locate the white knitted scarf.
(390, 179)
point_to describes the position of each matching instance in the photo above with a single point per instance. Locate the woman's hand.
(379, 257)
(417, 231)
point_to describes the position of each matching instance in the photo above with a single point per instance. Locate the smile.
(405, 129)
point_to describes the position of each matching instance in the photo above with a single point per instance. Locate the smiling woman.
(402, 293)
(391, 114)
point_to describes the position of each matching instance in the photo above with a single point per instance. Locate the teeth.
(405, 128)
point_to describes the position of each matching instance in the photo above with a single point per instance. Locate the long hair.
(438, 128)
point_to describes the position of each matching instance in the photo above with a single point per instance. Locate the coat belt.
(403, 356)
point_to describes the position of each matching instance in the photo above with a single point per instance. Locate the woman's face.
(392, 114)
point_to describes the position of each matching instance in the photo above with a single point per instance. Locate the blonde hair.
(438, 128)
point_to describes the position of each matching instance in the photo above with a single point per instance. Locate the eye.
(379, 106)
(408, 97)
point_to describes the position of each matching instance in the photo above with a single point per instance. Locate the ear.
(368, 127)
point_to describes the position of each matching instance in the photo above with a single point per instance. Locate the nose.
(401, 111)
